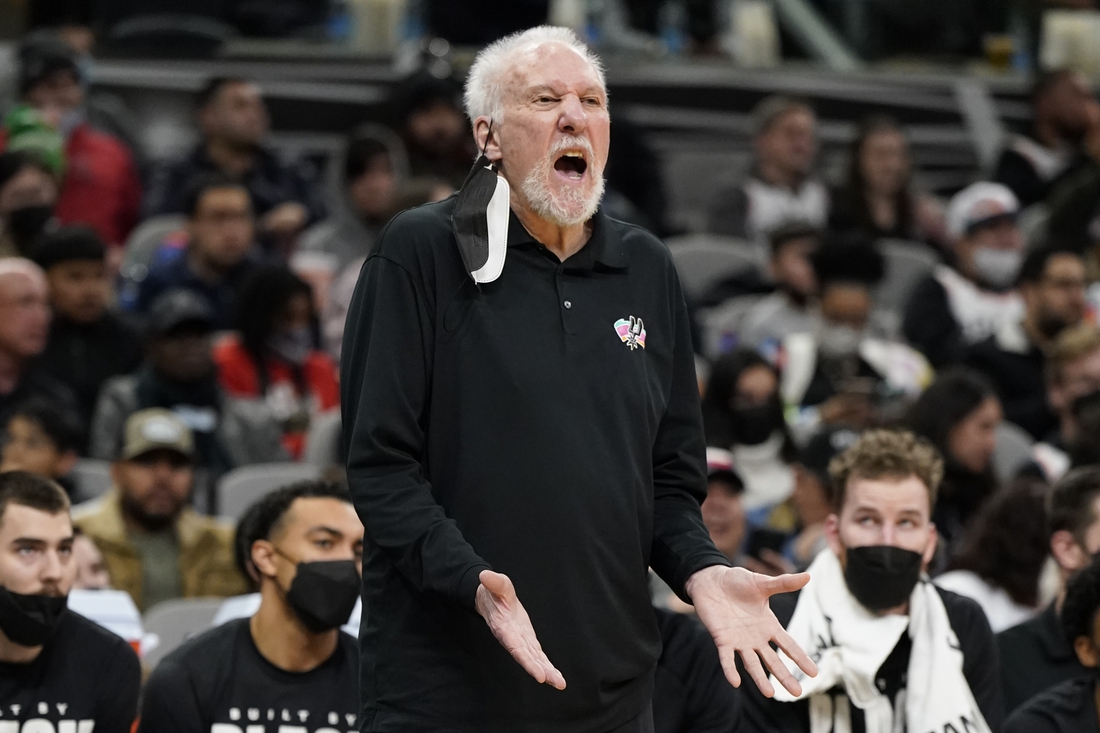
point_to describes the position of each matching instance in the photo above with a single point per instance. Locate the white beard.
(569, 206)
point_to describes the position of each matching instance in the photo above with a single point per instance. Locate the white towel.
(849, 644)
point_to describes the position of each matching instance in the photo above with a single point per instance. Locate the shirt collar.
(604, 247)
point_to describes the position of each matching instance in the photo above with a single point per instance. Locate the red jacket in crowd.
(101, 187)
(239, 377)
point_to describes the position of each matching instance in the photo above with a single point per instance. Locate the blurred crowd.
(186, 320)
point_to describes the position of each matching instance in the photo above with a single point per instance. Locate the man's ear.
(1067, 552)
(263, 558)
(1086, 652)
(486, 136)
(832, 534)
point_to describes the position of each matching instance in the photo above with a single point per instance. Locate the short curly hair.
(1082, 603)
(886, 454)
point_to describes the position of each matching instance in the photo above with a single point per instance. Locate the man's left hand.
(733, 604)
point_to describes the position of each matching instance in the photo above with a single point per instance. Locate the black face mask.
(881, 577)
(27, 224)
(323, 593)
(30, 620)
(754, 425)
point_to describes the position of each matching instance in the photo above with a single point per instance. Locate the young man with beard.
(288, 667)
(156, 547)
(894, 652)
(531, 431)
(1052, 286)
(58, 670)
(1030, 164)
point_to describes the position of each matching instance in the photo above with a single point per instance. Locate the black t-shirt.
(85, 674)
(219, 682)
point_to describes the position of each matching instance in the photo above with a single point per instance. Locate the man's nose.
(889, 535)
(573, 118)
(51, 569)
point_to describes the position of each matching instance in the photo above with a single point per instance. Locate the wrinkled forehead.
(555, 66)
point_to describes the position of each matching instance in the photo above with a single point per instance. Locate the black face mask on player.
(881, 577)
(30, 620)
(323, 593)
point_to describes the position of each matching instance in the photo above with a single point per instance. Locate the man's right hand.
(497, 603)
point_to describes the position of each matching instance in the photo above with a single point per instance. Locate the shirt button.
(568, 304)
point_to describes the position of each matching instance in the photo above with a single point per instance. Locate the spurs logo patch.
(631, 331)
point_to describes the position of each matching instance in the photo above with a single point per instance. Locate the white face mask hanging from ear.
(480, 220)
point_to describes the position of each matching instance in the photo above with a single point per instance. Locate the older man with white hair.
(24, 330)
(522, 423)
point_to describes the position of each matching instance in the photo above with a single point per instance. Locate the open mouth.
(572, 165)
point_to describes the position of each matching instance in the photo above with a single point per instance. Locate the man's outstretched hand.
(733, 604)
(497, 603)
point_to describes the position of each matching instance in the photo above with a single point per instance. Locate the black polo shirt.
(519, 425)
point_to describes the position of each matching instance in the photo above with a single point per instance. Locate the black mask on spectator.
(881, 577)
(754, 425)
(323, 593)
(27, 224)
(30, 620)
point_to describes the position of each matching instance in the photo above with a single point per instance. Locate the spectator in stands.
(24, 330)
(811, 497)
(275, 356)
(875, 628)
(779, 189)
(742, 413)
(789, 309)
(60, 670)
(156, 546)
(1052, 285)
(370, 194)
(91, 568)
(955, 307)
(723, 511)
(841, 372)
(1072, 372)
(1031, 164)
(43, 439)
(1035, 654)
(434, 127)
(959, 414)
(877, 198)
(219, 253)
(1071, 705)
(28, 193)
(101, 186)
(88, 343)
(233, 121)
(179, 374)
(1002, 555)
(306, 545)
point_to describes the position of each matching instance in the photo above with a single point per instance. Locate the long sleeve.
(169, 703)
(121, 674)
(386, 373)
(1072, 204)
(681, 543)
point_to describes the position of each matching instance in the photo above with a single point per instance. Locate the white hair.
(21, 266)
(488, 78)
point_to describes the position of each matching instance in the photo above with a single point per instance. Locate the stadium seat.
(1013, 450)
(238, 489)
(143, 242)
(704, 260)
(169, 624)
(906, 264)
(92, 478)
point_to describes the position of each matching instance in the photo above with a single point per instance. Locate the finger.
(727, 656)
(496, 583)
(752, 666)
(779, 670)
(534, 658)
(782, 583)
(791, 648)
